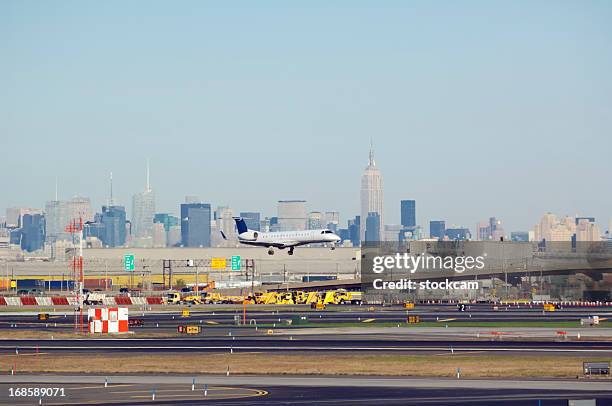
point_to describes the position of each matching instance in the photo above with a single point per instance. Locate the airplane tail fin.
(241, 225)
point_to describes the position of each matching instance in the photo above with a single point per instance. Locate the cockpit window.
(326, 232)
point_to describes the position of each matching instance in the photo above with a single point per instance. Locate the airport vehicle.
(283, 239)
(285, 298)
(340, 296)
(94, 298)
(265, 297)
(135, 322)
(177, 298)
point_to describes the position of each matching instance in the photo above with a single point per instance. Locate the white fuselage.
(282, 239)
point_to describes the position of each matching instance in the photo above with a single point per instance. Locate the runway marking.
(101, 386)
(462, 352)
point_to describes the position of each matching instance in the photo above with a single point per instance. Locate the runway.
(298, 390)
(301, 344)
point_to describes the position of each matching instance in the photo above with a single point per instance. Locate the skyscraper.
(195, 224)
(437, 229)
(32, 232)
(372, 232)
(114, 220)
(292, 215)
(408, 213)
(371, 197)
(315, 220)
(143, 211)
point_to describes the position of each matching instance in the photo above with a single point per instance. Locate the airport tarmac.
(276, 390)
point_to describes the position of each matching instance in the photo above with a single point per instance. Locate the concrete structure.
(371, 197)
(292, 215)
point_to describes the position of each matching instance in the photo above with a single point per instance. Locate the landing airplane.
(283, 239)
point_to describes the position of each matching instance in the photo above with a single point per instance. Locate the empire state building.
(371, 198)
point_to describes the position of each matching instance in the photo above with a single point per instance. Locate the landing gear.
(270, 251)
(290, 252)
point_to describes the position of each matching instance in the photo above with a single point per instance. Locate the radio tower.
(75, 228)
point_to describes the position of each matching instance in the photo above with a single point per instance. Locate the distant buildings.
(143, 211)
(33, 232)
(437, 229)
(252, 219)
(195, 224)
(168, 223)
(567, 229)
(332, 220)
(315, 220)
(491, 230)
(59, 213)
(372, 227)
(354, 231)
(408, 213)
(113, 220)
(292, 215)
(458, 234)
(519, 236)
(371, 199)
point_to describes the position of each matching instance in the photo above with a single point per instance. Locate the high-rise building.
(59, 213)
(264, 225)
(252, 219)
(159, 235)
(332, 220)
(32, 232)
(143, 210)
(174, 236)
(371, 197)
(167, 219)
(393, 232)
(224, 217)
(551, 229)
(354, 227)
(408, 213)
(292, 215)
(437, 229)
(315, 220)
(587, 230)
(195, 224)
(372, 228)
(114, 220)
(14, 215)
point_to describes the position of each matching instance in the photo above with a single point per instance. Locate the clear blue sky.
(476, 108)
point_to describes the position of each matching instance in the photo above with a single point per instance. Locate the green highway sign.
(235, 262)
(128, 262)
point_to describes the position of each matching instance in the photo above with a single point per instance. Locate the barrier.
(155, 300)
(2, 301)
(28, 301)
(59, 301)
(123, 300)
(13, 301)
(44, 301)
(139, 301)
(109, 301)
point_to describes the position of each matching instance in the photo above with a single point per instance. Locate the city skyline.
(253, 116)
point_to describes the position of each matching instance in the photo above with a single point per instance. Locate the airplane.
(283, 239)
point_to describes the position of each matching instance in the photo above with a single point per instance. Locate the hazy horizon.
(476, 109)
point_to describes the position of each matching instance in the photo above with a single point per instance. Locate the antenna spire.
(371, 157)
(111, 202)
(148, 183)
(56, 188)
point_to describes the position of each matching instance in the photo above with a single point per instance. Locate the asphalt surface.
(302, 344)
(225, 316)
(272, 390)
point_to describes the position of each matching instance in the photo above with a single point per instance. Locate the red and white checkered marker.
(108, 320)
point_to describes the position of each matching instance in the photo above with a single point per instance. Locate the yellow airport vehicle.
(284, 298)
(318, 306)
(43, 316)
(185, 313)
(265, 297)
(549, 307)
(173, 298)
(414, 319)
(409, 305)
